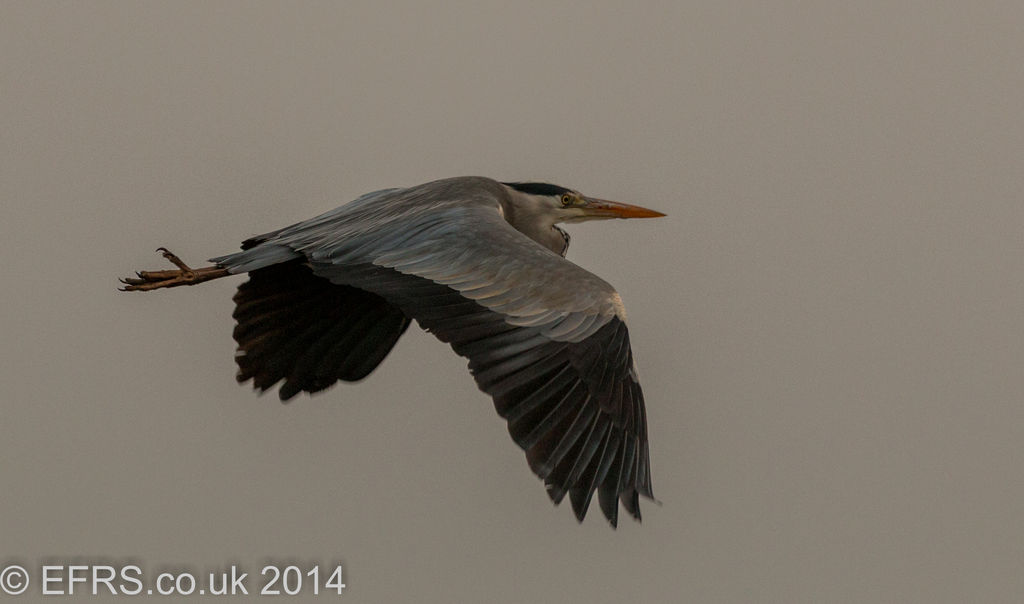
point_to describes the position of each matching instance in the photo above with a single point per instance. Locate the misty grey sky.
(828, 324)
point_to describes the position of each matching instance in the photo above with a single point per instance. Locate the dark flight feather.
(309, 332)
(568, 405)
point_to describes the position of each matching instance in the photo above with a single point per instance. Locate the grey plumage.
(480, 264)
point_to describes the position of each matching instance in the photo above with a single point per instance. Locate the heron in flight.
(481, 265)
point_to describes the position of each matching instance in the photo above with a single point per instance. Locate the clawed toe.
(184, 275)
(173, 258)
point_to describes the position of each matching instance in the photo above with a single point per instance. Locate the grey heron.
(481, 265)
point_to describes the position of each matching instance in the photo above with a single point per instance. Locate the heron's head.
(555, 204)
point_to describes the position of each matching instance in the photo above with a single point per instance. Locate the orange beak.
(602, 208)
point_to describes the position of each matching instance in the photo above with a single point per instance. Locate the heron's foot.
(145, 281)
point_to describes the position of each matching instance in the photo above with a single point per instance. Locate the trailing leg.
(145, 281)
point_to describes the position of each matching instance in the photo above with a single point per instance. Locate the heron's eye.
(566, 199)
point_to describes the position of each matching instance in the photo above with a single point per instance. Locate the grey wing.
(300, 329)
(545, 338)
